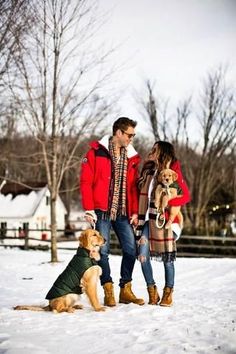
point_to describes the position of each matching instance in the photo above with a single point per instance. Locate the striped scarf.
(118, 203)
(161, 241)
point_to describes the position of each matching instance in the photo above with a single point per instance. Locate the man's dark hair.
(123, 123)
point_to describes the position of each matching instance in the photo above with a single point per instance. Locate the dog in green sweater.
(81, 275)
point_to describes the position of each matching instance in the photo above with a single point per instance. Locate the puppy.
(82, 273)
(166, 190)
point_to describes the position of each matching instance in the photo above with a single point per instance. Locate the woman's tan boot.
(154, 297)
(109, 299)
(127, 296)
(167, 297)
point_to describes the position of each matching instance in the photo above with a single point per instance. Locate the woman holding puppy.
(153, 240)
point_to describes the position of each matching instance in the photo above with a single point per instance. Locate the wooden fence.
(188, 246)
(197, 246)
(206, 246)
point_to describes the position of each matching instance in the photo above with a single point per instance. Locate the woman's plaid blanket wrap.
(162, 242)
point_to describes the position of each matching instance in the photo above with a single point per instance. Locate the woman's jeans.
(125, 234)
(144, 256)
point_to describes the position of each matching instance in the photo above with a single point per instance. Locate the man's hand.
(90, 217)
(134, 220)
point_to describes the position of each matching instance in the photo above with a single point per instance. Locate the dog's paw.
(71, 310)
(102, 308)
(78, 307)
(168, 224)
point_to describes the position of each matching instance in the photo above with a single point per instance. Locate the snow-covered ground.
(202, 319)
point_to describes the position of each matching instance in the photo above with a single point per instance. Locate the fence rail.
(198, 246)
(206, 246)
(188, 246)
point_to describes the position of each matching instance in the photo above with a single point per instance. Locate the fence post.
(26, 230)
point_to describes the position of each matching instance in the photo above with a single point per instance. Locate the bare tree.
(57, 90)
(204, 163)
(181, 134)
(163, 124)
(150, 106)
(14, 23)
(218, 122)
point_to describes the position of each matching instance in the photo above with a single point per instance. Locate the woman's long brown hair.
(161, 156)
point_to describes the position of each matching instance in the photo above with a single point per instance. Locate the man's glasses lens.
(130, 136)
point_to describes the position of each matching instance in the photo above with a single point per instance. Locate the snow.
(202, 319)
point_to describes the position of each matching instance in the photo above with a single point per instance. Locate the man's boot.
(109, 299)
(154, 297)
(127, 296)
(167, 297)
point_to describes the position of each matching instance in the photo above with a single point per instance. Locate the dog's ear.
(160, 176)
(84, 238)
(174, 176)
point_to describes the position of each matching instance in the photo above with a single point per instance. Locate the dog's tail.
(32, 308)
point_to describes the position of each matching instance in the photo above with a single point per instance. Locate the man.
(109, 194)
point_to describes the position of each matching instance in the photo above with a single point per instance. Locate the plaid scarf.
(162, 242)
(118, 202)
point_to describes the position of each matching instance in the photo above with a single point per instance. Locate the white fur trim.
(104, 141)
(177, 230)
(130, 149)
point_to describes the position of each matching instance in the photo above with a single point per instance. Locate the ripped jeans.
(144, 258)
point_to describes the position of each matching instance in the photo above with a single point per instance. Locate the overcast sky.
(172, 42)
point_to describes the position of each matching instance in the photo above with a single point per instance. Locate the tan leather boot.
(154, 297)
(109, 299)
(127, 296)
(167, 297)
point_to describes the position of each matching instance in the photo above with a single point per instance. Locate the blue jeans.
(125, 234)
(144, 256)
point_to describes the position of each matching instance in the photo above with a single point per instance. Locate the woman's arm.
(184, 198)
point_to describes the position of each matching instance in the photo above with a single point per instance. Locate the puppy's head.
(167, 176)
(92, 240)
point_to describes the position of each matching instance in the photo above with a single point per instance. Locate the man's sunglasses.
(130, 136)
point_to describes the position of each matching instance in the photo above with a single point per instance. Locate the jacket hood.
(131, 152)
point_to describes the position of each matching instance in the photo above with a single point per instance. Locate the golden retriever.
(90, 242)
(166, 190)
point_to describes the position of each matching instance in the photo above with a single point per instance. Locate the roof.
(21, 205)
(21, 188)
(22, 200)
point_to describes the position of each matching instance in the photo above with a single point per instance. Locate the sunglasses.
(130, 136)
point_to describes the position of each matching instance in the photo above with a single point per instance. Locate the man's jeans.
(125, 234)
(144, 251)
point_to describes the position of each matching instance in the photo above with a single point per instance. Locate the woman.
(154, 241)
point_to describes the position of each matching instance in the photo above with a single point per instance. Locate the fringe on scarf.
(163, 257)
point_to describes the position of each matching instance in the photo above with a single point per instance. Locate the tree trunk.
(54, 257)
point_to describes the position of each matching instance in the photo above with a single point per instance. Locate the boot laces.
(109, 292)
(166, 295)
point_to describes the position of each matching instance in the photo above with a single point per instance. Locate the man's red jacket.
(96, 174)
